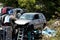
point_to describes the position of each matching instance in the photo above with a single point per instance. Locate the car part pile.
(24, 32)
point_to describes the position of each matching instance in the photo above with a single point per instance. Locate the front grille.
(21, 26)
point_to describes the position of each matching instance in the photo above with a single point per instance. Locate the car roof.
(33, 13)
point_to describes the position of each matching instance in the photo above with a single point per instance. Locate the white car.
(31, 20)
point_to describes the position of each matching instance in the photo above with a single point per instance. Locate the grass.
(51, 22)
(57, 37)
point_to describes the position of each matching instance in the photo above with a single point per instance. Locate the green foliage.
(9, 3)
(2, 1)
(57, 28)
(58, 9)
(48, 7)
(30, 5)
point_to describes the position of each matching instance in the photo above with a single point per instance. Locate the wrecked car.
(31, 21)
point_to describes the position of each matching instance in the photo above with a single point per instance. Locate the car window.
(26, 17)
(40, 16)
(36, 16)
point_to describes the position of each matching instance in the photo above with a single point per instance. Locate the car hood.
(22, 22)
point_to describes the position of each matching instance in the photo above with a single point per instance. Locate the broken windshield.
(26, 17)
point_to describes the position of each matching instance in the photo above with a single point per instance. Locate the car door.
(41, 21)
(36, 21)
(43, 18)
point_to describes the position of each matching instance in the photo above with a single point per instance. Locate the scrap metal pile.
(9, 30)
(7, 17)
